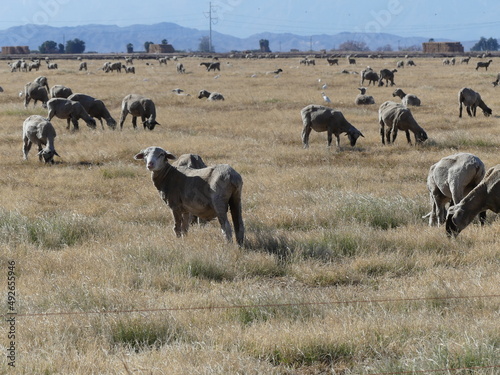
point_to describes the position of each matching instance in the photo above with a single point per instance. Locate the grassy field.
(339, 274)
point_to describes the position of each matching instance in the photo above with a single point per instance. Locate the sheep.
(333, 61)
(362, 99)
(105, 66)
(162, 60)
(129, 60)
(115, 66)
(210, 95)
(138, 105)
(39, 130)
(34, 65)
(446, 61)
(205, 64)
(407, 99)
(83, 66)
(449, 180)
(52, 66)
(180, 68)
(35, 91)
(410, 63)
(471, 99)
(485, 196)
(400, 64)
(214, 66)
(495, 83)
(207, 193)
(42, 81)
(190, 161)
(483, 64)
(396, 117)
(129, 69)
(370, 75)
(321, 118)
(60, 91)
(465, 60)
(95, 108)
(69, 110)
(351, 61)
(388, 75)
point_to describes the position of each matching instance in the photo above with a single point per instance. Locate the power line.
(211, 21)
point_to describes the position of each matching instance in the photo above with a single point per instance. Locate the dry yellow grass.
(335, 241)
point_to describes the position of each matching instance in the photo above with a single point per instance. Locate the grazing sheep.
(129, 60)
(139, 106)
(446, 61)
(180, 68)
(95, 108)
(396, 117)
(410, 63)
(35, 91)
(34, 65)
(105, 66)
(129, 69)
(369, 75)
(483, 64)
(388, 75)
(38, 130)
(205, 64)
(407, 99)
(471, 99)
(115, 66)
(71, 111)
(42, 81)
(207, 193)
(333, 61)
(52, 66)
(351, 61)
(451, 179)
(214, 66)
(485, 196)
(210, 95)
(363, 99)
(60, 91)
(321, 118)
(495, 83)
(83, 66)
(162, 60)
(465, 60)
(400, 64)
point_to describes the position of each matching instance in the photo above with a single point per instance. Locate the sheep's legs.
(26, 148)
(305, 136)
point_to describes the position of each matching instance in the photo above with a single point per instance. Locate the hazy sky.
(426, 18)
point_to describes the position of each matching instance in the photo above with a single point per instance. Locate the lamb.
(138, 105)
(95, 108)
(396, 117)
(38, 130)
(485, 196)
(180, 68)
(407, 99)
(207, 193)
(35, 91)
(483, 64)
(83, 66)
(321, 118)
(449, 180)
(388, 75)
(471, 99)
(60, 91)
(69, 110)
(362, 99)
(370, 75)
(210, 95)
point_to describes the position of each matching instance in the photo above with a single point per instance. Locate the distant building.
(16, 50)
(161, 48)
(443, 47)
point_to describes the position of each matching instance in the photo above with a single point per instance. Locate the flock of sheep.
(194, 191)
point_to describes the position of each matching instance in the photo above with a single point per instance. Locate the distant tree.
(204, 45)
(48, 46)
(130, 48)
(352, 45)
(75, 46)
(164, 41)
(264, 45)
(431, 40)
(61, 47)
(386, 48)
(146, 46)
(484, 44)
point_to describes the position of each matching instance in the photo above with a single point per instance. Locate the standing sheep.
(485, 196)
(139, 106)
(483, 64)
(95, 108)
(369, 75)
(70, 110)
(471, 99)
(321, 118)
(35, 91)
(180, 68)
(449, 180)
(407, 99)
(396, 117)
(38, 130)
(388, 75)
(207, 193)
(83, 66)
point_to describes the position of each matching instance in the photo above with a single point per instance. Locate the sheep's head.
(155, 157)
(487, 111)
(203, 94)
(91, 123)
(353, 136)
(150, 124)
(421, 136)
(455, 215)
(48, 155)
(111, 122)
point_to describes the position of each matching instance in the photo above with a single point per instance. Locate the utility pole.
(211, 20)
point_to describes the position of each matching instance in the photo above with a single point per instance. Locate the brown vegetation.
(339, 270)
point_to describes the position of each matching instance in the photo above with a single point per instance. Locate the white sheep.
(138, 105)
(210, 95)
(485, 196)
(83, 66)
(69, 110)
(60, 91)
(38, 130)
(449, 180)
(396, 117)
(363, 99)
(472, 99)
(407, 99)
(180, 68)
(207, 193)
(321, 118)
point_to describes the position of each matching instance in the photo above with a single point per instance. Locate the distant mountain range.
(111, 38)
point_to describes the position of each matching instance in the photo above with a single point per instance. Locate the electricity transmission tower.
(212, 20)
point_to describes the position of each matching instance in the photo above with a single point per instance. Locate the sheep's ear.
(139, 156)
(361, 134)
(55, 153)
(169, 155)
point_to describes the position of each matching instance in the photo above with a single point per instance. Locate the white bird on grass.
(324, 86)
(326, 98)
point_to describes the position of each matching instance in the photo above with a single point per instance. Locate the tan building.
(443, 47)
(16, 50)
(161, 48)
